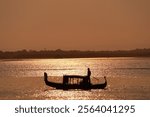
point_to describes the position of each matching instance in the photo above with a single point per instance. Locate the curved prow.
(52, 84)
(105, 80)
(45, 78)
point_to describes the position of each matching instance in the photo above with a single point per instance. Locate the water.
(110, 67)
(128, 78)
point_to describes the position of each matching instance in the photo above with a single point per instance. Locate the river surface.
(110, 67)
(128, 78)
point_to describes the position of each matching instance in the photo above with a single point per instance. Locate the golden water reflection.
(128, 78)
(73, 95)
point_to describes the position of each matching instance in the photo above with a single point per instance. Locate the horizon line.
(28, 50)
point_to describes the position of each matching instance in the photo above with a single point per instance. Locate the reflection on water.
(128, 78)
(111, 67)
(75, 95)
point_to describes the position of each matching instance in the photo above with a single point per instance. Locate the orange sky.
(74, 24)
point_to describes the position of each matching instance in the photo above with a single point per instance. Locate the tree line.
(72, 53)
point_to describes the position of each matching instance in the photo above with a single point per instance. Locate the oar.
(96, 78)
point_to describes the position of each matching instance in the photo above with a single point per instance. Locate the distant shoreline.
(54, 54)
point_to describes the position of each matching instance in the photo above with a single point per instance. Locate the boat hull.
(81, 85)
(76, 86)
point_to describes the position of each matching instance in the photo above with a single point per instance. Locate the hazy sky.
(74, 24)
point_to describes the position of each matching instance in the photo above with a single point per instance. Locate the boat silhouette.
(75, 82)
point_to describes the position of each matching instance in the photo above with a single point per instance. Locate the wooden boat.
(75, 82)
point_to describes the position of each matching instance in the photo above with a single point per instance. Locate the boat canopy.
(75, 79)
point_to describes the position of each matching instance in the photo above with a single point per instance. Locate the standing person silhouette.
(88, 72)
(88, 75)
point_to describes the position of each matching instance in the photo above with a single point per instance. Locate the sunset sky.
(74, 24)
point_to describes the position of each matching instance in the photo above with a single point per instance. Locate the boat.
(75, 82)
